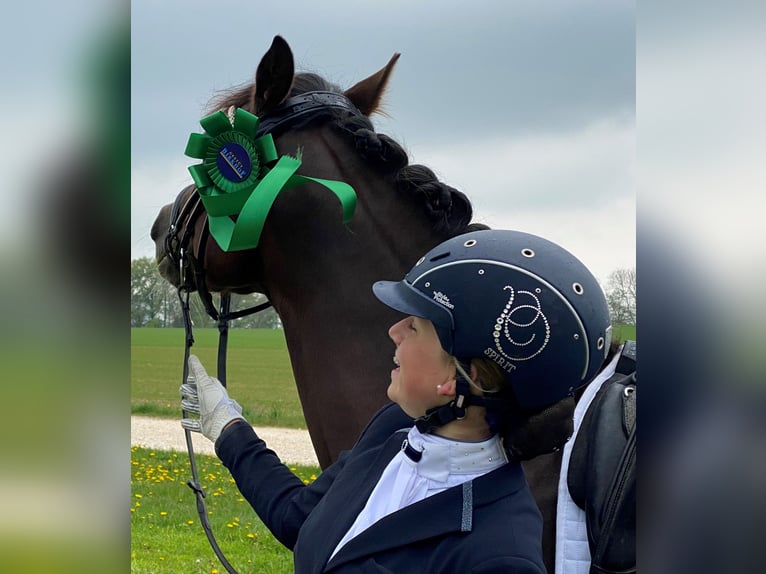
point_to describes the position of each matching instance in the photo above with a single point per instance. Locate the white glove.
(206, 396)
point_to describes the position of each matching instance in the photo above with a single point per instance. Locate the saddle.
(602, 470)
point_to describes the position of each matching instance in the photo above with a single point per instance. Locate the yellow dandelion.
(189, 522)
(250, 535)
(163, 513)
(138, 495)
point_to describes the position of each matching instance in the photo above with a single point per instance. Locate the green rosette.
(241, 175)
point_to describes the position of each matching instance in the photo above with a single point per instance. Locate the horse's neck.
(341, 359)
(322, 288)
(316, 252)
(319, 275)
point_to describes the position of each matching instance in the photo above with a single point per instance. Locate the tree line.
(620, 291)
(154, 302)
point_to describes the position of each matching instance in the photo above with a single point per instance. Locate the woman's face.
(422, 364)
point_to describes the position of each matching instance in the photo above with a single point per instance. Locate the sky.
(527, 107)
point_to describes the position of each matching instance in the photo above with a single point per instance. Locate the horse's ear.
(274, 77)
(366, 95)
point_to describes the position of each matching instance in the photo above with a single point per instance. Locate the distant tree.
(198, 313)
(153, 301)
(621, 296)
(265, 319)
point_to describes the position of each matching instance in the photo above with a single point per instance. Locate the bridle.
(189, 259)
(186, 210)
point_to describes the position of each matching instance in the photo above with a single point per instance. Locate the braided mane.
(448, 209)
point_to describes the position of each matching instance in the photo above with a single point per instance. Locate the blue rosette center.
(232, 162)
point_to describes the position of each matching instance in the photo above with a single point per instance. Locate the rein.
(183, 218)
(191, 275)
(224, 315)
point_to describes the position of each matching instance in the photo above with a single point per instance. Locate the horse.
(318, 271)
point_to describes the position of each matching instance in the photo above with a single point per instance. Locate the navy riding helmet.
(517, 299)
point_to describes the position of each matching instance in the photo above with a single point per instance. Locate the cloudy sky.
(528, 107)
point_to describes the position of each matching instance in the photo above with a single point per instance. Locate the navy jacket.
(490, 524)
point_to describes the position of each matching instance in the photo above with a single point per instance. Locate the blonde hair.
(490, 378)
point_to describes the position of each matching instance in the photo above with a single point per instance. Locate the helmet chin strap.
(455, 410)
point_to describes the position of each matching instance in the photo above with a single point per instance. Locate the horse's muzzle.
(165, 265)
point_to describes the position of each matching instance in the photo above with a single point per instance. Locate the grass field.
(166, 536)
(258, 371)
(624, 333)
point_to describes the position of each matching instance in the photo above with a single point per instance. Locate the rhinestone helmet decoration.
(517, 299)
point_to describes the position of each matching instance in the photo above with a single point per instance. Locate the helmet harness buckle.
(455, 409)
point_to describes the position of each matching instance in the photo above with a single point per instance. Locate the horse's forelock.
(239, 97)
(310, 82)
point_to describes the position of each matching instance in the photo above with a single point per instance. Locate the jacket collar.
(448, 512)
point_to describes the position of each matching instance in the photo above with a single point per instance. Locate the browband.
(302, 105)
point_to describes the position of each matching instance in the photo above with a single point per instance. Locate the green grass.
(166, 535)
(622, 333)
(259, 374)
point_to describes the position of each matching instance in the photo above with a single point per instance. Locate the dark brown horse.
(318, 271)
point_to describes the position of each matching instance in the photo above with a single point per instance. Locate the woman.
(499, 325)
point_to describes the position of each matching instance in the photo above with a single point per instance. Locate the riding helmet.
(517, 299)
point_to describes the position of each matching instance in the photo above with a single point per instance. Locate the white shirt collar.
(442, 457)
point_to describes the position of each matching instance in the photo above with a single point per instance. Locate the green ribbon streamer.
(246, 193)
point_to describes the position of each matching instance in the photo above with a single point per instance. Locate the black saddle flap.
(602, 437)
(601, 476)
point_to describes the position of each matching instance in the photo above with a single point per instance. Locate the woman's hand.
(206, 396)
